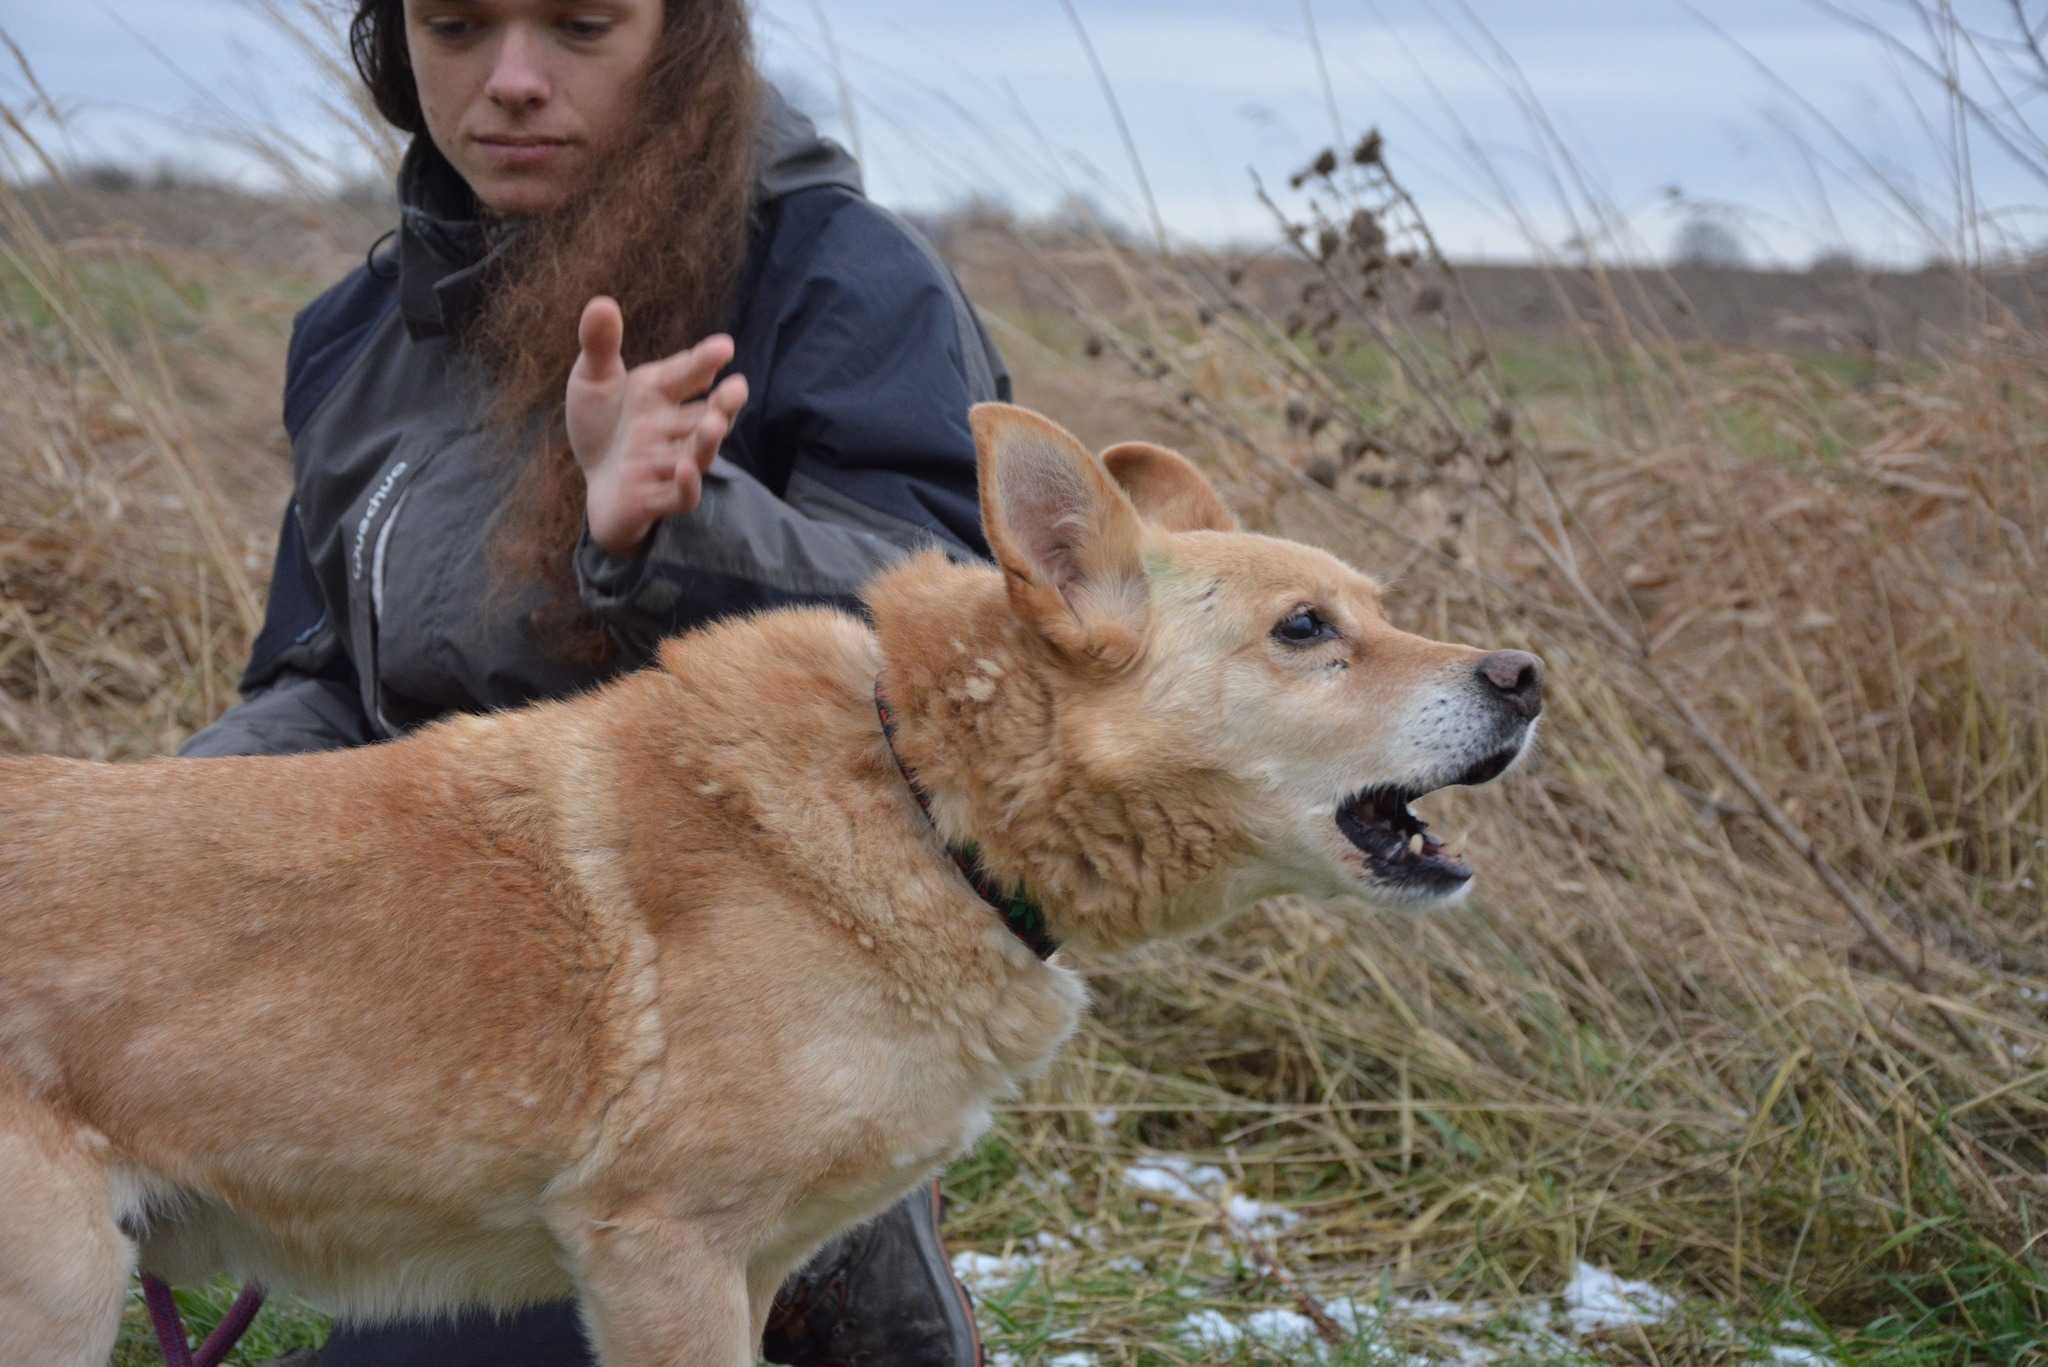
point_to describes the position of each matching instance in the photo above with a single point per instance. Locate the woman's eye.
(449, 29)
(586, 28)
(1303, 626)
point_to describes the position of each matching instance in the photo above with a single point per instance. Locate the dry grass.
(1752, 1001)
(1796, 634)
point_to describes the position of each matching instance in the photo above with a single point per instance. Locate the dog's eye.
(1303, 626)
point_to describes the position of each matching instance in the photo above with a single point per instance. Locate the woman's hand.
(644, 437)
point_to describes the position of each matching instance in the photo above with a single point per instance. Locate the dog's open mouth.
(1397, 845)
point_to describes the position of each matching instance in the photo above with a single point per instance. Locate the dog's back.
(400, 943)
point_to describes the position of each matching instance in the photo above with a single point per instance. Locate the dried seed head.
(1295, 323)
(1325, 162)
(1369, 148)
(1323, 471)
(1234, 276)
(1205, 315)
(1297, 412)
(1503, 423)
(1368, 237)
(1317, 423)
(1429, 299)
(1093, 346)
(1327, 243)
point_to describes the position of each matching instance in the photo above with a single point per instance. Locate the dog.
(641, 996)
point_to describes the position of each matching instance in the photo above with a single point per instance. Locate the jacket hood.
(446, 243)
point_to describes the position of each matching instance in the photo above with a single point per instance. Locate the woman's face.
(521, 95)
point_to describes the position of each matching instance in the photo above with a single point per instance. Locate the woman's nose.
(518, 75)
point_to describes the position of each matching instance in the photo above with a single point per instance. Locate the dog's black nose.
(1517, 676)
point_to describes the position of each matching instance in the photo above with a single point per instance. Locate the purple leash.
(170, 1326)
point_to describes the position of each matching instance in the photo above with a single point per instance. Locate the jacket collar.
(447, 244)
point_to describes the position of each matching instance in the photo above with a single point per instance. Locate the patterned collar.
(1023, 916)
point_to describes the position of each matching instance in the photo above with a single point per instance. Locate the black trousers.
(544, 1336)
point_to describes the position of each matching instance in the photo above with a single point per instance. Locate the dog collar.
(1024, 917)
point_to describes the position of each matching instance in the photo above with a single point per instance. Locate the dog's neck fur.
(978, 699)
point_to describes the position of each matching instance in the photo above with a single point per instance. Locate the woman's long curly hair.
(661, 225)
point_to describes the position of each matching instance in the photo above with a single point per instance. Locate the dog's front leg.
(658, 1292)
(64, 1260)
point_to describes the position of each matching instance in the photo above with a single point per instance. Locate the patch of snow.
(1181, 1179)
(1356, 1318)
(1596, 1299)
(1278, 1328)
(983, 1273)
(1210, 1329)
(1071, 1360)
(1799, 1357)
(1105, 1119)
(1257, 1215)
(1176, 1178)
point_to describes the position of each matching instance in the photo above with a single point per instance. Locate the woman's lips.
(522, 152)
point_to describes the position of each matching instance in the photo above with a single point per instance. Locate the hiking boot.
(880, 1294)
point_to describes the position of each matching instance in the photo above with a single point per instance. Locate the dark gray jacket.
(862, 357)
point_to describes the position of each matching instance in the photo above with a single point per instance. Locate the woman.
(515, 468)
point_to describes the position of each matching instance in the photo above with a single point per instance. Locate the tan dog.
(639, 997)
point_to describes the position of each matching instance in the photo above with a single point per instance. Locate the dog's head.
(1198, 657)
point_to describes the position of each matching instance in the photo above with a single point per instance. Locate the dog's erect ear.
(1167, 488)
(1064, 533)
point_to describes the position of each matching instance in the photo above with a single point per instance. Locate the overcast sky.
(954, 97)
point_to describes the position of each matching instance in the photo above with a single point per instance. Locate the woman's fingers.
(677, 441)
(687, 374)
(730, 396)
(699, 451)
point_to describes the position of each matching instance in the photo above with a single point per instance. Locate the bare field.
(1751, 1008)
